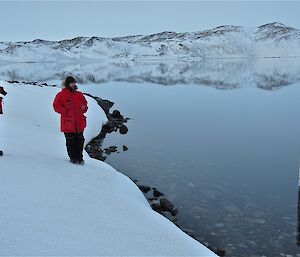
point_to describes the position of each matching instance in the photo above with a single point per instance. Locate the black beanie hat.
(69, 80)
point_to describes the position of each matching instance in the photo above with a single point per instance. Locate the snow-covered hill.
(52, 207)
(269, 40)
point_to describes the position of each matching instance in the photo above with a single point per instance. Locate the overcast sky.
(56, 20)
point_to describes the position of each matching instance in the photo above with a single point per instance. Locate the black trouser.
(74, 143)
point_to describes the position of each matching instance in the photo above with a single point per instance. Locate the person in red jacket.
(71, 105)
(2, 91)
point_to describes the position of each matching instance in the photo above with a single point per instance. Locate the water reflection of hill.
(269, 74)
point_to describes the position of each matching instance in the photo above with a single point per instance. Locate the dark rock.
(156, 207)
(174, 212)
(174, 219)
(110, 150)
(105, 104)
(113, 148)
(220, 252)
(115, 122)
(105, 129)
(166, 205)
(107, 151)
(144, 189)
(117, 114)
(110, 124)
(156, 193)
(125, 148)
(123, 129)
(96, 155)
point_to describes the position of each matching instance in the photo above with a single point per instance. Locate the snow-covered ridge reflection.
(267, 74)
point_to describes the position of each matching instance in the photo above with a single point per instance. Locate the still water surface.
(228, 159)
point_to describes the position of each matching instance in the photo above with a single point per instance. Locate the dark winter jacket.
(71, 106)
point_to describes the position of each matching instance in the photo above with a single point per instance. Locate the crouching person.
(71, 105)
(2, 91)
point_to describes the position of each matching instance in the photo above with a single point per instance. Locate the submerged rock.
(220, 252)
(166, 205)
(156, 193)
(144, 189)
(174, 212)
(156, 207)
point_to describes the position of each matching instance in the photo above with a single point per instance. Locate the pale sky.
(56, 20)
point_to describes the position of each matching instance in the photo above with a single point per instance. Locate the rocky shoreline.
(115, 123)
(156, 199)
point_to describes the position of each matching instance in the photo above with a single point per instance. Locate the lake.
(228, 160)
(222, 142)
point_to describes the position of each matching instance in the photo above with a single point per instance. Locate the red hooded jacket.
(71, 106)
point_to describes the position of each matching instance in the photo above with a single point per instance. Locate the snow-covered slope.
(277, 40)
(51, 207)
(269, 40)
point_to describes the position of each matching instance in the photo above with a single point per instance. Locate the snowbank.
(51, 207)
